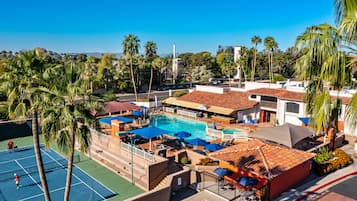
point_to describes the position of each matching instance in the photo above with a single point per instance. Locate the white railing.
(137, 152)
(168, 109)
(214, 133)
(187, 113)
(220, 134)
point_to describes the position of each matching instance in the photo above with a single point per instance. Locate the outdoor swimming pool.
(176, 124)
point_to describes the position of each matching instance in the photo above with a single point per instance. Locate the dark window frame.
(292, 107)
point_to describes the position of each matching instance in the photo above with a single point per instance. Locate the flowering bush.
(340, 160)
(207, 162)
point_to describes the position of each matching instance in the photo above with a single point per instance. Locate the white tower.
(174, 64)
(237, 56)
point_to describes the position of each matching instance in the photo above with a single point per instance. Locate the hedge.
(341, 159)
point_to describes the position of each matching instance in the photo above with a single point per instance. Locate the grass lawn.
(122, 187)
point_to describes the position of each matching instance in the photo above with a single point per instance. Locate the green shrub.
(278, 77)
(179, 93)
(340, 160)
(323, 156)
(4, 111)
(184, 160)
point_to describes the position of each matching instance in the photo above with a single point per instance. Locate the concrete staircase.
(162, 184)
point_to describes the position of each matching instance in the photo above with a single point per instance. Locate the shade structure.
(213, 147)
(108, 120)
(197, 142)
(223, 172)
(182, 134)
(137, 113)
(305, 120)
(149, 132)
(287, 134)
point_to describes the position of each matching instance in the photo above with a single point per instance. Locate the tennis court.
(23, 162)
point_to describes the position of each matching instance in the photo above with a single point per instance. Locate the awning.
(108, 120)
(197, 106)
(220, 110)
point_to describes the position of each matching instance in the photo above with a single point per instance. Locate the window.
(292, 107)
(253, 96)
(269, 98)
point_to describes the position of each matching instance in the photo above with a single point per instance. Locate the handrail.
(138, 152)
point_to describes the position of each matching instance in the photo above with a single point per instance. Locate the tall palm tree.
(270, 46)
(131, 47)
(150, 53)
(326, 62)
(255, 41)
(160, 64)
(66, 118)
(22, 78)
(90, 71)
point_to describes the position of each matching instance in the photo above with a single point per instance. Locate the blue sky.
(194, 25)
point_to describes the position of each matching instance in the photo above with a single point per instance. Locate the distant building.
(237, 51)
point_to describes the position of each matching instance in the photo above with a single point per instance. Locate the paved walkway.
(315, 186)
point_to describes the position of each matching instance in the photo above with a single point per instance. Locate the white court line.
(92, 177)
(75, 176)
(18, 159)
(29, 175)
(41, 194)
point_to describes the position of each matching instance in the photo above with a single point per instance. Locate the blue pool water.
(176, 124)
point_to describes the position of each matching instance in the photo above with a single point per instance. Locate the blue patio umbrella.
(247, 181)
(182, 134)
(223, 172)
(197, 142)
(149, 132)
(213, 147)
(305, 120)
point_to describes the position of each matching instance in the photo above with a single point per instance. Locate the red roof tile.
(262, 158)
(289, 95)
(115, 107)
(232, 100)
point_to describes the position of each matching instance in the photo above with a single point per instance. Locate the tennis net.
(48, 167)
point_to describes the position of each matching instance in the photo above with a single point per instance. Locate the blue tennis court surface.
(23, 163)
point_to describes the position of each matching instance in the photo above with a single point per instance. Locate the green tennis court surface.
(22, 162)
(121, 187)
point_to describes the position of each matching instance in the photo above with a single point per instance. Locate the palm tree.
(160, 64)
(270, 46)
(22, 78)
(325, 62)
(105, 68)
(131, 47)
(255, 41)
(90, 71)
(150, 53)
(66, 118)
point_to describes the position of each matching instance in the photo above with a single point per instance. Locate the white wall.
(211, 89)
(257, 85)
(288, 117)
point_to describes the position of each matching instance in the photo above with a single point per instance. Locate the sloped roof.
(230, 100)
(264, 159)
(290, 95)
(114, 107)
(287, 134)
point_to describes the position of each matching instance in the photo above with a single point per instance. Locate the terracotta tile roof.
(231, 100)
(262, 158)
(114, 107)
(290, 95)
(279, 93)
